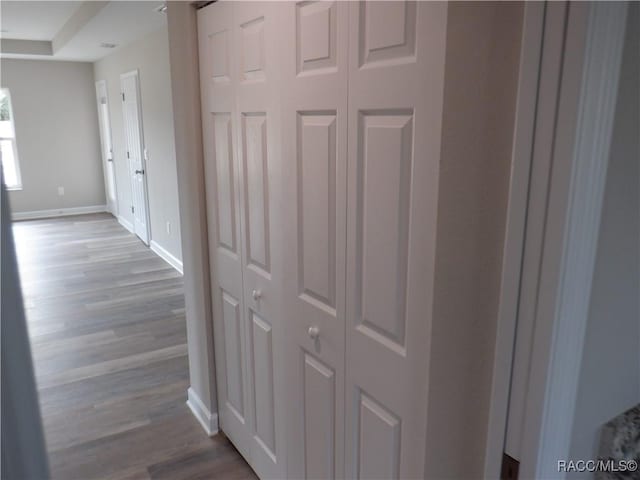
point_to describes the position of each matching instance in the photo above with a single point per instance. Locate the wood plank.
(107, 325)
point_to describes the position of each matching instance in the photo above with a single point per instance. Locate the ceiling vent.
(108, 45)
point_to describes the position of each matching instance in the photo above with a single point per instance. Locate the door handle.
(141, 172)
(314, 332)
(256, 294)
(109, 159)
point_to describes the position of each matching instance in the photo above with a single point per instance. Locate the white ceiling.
(117, 22)
(34, 20)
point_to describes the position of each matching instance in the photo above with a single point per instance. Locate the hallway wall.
(150, 56)
(481, 79)
(56, 122)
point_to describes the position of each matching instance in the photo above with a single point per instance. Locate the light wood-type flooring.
(108, 335)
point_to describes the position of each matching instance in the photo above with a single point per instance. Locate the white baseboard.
(125, 223)
(166, 255)
(208, 420)
(58, 212)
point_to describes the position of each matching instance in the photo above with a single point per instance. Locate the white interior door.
(104, 123)
(322, 229)
(396, 79)
(239, 69)
(132, 111)
(217, 82)
(314, 42)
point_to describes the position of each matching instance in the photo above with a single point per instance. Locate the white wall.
(54, 106)
(23, 449)
(183, 41)
(150, 56)
(610, 371)
(481, 77)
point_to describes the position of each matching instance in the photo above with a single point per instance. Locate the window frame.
(14, 144)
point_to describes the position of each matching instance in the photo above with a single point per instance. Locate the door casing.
(555, 199)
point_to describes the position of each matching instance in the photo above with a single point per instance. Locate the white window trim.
(14, 145)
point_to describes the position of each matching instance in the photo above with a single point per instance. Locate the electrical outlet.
(61, 191)
(168, 228)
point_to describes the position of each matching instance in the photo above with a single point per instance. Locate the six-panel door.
(315, 151)
(217, 79)
(131, 110)
(396, 79)
(239, 69)
(322, 131)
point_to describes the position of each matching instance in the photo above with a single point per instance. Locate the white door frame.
(136, 74)
(579, 147)
(113, 207)
(526, 102)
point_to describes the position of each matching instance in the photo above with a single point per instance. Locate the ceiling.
(74, 30)
(34, 20)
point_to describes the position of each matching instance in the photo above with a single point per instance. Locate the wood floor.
(106, 321)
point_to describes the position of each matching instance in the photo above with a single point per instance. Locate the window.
(8, 149)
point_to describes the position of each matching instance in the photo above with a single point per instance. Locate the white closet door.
(239, 81)
(257, 69)
(217, 82)
(314, 41)
(396, 73)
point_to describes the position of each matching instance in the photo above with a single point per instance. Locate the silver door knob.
(256, 294)
(314, 332)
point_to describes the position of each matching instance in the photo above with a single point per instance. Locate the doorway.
(104, 122)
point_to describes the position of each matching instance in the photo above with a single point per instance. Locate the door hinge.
(123, 96)
(127, 154)
(132, 209)
(510, 467)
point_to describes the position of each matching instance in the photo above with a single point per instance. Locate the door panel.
(378, 440)
(132, 111)
(219, 124)
(319, 418)
(239, 81)
(257, 71)
(263, 384)
(225, 181)
(383, 194)
(314, 139)
(395, 90)
(316, 170)
(233, 351)
(387, 33)
(256, 193)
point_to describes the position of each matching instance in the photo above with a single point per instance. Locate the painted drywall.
(150, 56)
(481, 74)
(610, 371)
(185, 78)
(56, 121)
(23, 448)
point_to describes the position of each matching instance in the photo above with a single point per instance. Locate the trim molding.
(58, 212)
(125, 223)
(565, 303)
(208, 420)
(521, 160)
(166, 255)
